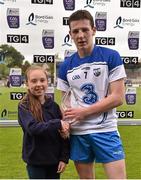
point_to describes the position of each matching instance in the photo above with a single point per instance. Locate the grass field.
(12, 166)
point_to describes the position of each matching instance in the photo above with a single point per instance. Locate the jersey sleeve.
(62, 82)
(116, 67)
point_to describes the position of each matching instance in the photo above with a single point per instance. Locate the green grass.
(12, 166)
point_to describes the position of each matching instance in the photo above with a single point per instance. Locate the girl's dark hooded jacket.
(42, 143)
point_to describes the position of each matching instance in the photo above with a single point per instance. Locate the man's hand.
(75, 113)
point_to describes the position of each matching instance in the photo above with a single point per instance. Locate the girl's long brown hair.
(30, 101)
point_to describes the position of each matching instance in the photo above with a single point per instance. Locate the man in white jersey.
(96, 77)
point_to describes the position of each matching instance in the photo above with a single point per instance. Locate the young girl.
(44, 150)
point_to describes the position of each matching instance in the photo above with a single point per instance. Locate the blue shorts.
(100, 147)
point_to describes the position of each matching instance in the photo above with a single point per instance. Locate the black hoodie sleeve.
(33, 127)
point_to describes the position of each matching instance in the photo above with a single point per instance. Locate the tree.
(12, 56)
(4, 71)
(25, 66)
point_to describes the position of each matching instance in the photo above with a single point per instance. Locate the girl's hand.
(64, 135)
(61, 167)
(65, 126)
(65, 129)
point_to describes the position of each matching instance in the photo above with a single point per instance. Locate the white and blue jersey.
(89, 79)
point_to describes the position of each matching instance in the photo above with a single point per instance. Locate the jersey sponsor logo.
(97, 72)
(90, 96)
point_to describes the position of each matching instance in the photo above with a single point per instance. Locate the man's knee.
(85, 170)
(115, 169)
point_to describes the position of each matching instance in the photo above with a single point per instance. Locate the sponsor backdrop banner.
(36, 31)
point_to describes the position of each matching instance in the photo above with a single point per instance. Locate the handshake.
(65, 129)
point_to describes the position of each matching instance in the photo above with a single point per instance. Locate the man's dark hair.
(80, 15)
